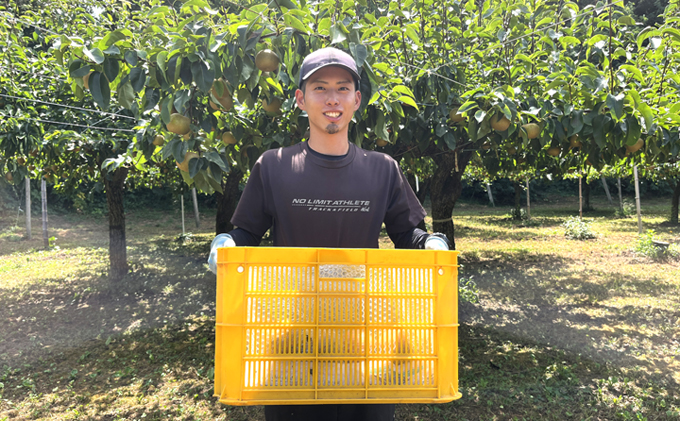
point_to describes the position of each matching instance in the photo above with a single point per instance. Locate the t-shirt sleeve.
(251, 212)
(404, 210)
(245, 238)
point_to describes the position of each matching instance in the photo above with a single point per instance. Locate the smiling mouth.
(333, 114)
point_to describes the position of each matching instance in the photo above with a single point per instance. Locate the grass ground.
(563, 329)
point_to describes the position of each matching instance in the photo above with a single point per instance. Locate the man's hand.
(222, 240)
(437, 241)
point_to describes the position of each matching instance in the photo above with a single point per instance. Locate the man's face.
(330, 99)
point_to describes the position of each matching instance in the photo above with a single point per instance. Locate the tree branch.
(663, 76)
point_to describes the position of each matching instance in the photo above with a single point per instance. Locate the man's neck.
(329, 144)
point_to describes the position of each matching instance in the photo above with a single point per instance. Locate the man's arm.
(415, 238)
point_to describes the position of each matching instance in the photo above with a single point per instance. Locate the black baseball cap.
(328, 57)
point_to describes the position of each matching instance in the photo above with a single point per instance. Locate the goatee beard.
(332, 129)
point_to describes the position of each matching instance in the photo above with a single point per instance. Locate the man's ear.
(357, 100)
(300, 99)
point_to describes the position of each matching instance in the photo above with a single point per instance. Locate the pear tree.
(219, 82)
(49, 134)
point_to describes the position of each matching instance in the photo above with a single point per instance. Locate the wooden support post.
(28, 208)
(181, 200)
(637, 199)
(580, 197)
(196, 215)
(606, 190)
(528, 202)
(488, 190)
(43, 197)
(620, 196)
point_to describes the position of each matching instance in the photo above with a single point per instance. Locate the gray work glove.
(437, 241)
(222, 240)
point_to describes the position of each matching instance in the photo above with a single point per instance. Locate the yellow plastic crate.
(315, 326)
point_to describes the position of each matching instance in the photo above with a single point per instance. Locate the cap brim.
(351, 71)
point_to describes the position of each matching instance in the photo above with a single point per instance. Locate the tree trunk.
(115, 185)
(518, 200)
(227, 201)
(675, 202)
(586, 196)
(445, 189)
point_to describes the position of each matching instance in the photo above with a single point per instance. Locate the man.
(327, 192)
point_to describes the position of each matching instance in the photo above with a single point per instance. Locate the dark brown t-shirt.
(310, 201)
